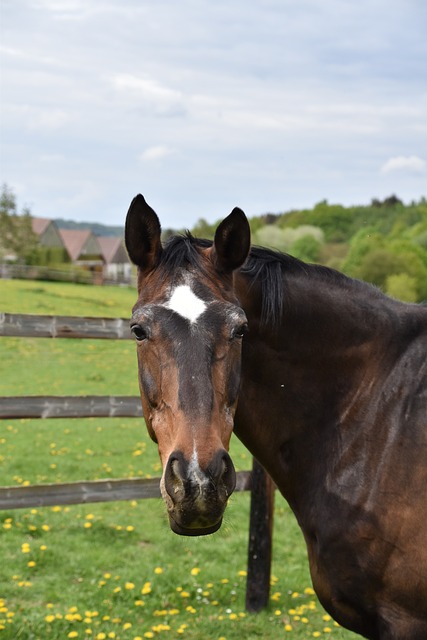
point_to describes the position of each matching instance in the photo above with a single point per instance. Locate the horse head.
(188, 327)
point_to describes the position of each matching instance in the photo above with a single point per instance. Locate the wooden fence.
(43, 495)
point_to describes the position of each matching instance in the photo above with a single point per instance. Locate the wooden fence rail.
(111, 490)
(257, 481)
(34, 326)
(70, 407)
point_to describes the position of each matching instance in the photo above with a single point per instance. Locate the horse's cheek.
(233, 383)
(149, 387)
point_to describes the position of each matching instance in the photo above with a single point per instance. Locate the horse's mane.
(266, 267)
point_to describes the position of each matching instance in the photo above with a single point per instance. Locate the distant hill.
(96, 228)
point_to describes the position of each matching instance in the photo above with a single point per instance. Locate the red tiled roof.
(109, 247)
(74, 241)
(40, 225)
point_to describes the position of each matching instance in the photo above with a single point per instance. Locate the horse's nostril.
(174, 476)
(221, 471)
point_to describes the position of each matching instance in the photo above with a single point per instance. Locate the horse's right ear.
(142, 234)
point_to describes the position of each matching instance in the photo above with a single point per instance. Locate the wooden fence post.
(260, 539)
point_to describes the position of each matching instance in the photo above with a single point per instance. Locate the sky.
(201, 106)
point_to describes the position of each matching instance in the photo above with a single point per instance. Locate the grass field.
(115, 570)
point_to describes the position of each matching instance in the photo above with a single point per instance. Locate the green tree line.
(384, 242)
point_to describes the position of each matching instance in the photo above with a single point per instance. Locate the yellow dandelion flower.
(309, 591)
(195, 571)
(158, 570)
(146, 588)
(87, 525)
(73, 634)
(45, 527)
(127, 625)
(31, 563)
(129, 586)
(288, 627)
(50, 618)
(185, 594)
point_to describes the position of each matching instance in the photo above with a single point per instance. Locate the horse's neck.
(299, 379)
(324, 317)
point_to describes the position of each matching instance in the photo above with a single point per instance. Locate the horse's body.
(332, 402)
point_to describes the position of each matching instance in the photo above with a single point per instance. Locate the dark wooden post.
(260, 539)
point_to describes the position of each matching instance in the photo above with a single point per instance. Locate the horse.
(322, 377)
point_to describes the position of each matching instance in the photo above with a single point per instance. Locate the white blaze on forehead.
(184, 302)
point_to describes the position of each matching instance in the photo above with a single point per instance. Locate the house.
(82, 247)
(105, 257)
(47, 233)
(116, 262)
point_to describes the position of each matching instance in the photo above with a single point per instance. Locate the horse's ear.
(232, 242)
(142, 234)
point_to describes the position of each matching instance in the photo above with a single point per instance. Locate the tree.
(306, 248)
(17, 239)
(402, 286)
(271, 236)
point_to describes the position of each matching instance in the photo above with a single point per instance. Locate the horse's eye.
(240, 331)
(139, 332)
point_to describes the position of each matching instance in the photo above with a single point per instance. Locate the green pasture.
(115, 570)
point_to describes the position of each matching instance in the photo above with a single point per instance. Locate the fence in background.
(72, 274)
(42, 495)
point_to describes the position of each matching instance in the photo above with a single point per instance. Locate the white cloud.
(156, 153)
(145, 86)
(412, 164)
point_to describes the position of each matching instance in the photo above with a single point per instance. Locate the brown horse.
(322, 377)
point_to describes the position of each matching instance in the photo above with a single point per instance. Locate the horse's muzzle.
(196, 498)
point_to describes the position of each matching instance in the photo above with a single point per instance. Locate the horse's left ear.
(142, 234)
(232, 242)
